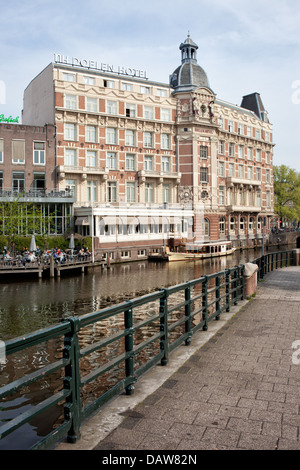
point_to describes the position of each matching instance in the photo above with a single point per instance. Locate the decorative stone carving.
(185, 194)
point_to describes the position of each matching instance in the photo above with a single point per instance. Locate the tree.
(286, 192)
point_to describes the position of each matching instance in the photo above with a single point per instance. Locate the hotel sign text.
(95, 65)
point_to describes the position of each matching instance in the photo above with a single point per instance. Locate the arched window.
(232, 223)
(251, 223)
(259, 224)
(242, 223)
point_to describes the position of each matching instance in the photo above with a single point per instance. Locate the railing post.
(272, 262)
(218, 297)
(235, 285)
(71, 351)
(129, 361)
(164, 342)
(262, 267)
(228, 290)
(242, 281)
(204, 303)
(187, 296)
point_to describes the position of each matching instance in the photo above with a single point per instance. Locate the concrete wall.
(38, 100)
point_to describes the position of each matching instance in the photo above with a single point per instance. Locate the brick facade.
(130, 145)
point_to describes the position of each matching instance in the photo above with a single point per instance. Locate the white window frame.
(250, 172)
(148, 139)
(130, 110)
(221, 195)
(111, 135)
(69, 157)
(165, 141)
(91, 134)
(130, 191)
(111, 160)
(70, 101)
(111, 195)
(19, 159)
(125, 86)
(165, 164)
(112, 107)
(161, 92)
(130, 138)
(91, 105)
(241, 151)
(68, 77)
(148, 163)
(145, 90)
(39, 155)
(70, 131)
(204, 174)
(165, 114)
(221, 169)
(149, 192)
(166, 192)
(148, 112)
(91, 189)
(91, 158)
(241, 171)
(130, 162)
(89, 80)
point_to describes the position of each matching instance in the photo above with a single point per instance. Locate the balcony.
(159, 174)
(245, 182)
(236, 208)
(62, 170)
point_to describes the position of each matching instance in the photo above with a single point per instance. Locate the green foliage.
(47, 243)
(286, 192)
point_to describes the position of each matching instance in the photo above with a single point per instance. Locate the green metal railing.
(124, 341)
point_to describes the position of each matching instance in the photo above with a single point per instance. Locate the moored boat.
(194, 251)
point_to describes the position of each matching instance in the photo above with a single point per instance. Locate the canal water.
(30, 305)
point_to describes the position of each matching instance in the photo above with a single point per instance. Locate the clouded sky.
(244, 46)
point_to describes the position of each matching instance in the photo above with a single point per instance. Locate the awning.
(108, 220)
(82, 221)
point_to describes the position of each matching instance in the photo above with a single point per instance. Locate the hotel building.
(147, 161)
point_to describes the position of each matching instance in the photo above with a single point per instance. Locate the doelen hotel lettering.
(95, 65)
(8, 119)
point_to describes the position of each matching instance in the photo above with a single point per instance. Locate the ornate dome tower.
(189, 75)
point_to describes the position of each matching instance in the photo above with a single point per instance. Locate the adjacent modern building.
(147, 161)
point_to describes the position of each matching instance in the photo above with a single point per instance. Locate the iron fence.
(104, 353)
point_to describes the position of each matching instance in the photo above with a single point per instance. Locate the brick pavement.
(239, 390)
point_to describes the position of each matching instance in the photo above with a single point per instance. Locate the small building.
(28, 177)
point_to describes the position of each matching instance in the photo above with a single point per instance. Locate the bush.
(44, 243)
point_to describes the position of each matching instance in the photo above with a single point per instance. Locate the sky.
(244, 47)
